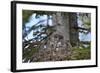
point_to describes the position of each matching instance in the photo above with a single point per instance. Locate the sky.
(82, 36)
(33, 21)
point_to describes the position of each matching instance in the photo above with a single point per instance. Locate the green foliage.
(28, 53)
(86, 19)
(81, 53)
(26, 15)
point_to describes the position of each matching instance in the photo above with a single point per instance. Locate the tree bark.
(74, 36)
(61, 20)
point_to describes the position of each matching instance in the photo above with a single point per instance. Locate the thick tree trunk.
(65, 24)
(61, 20)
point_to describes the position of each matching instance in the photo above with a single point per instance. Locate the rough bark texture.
(61, 20)
(66, 26)
(73, 31)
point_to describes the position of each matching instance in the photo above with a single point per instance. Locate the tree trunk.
(65, 24)
(61, 20)
(73, 31)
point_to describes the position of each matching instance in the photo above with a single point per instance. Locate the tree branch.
(81, 28)
(85, 42)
